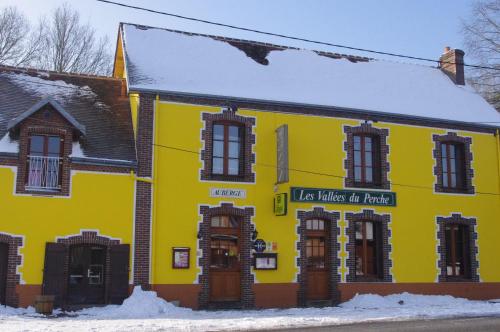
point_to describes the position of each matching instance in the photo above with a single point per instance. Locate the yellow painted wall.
(316, 144)
(99, 201)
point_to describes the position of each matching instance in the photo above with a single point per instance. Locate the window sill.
(466, 191)
(458, 279)
(41, 192)
(371, 186)
(226, 178)
(367, 279)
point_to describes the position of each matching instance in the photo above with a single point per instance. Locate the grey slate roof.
(97, 104)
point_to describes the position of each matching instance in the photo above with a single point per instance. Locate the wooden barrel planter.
(44, 304)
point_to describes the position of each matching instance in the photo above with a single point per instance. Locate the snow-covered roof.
(164, 60)
(95, 106)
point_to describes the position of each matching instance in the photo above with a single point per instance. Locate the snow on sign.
(229, 193)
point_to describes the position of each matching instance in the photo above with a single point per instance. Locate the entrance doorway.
(4, 256)
(225, 267)
(86, 277)
(318, 264)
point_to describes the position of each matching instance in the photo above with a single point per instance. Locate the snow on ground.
(144, 311)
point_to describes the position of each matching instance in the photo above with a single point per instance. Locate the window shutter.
(54, 272)
(460, 165)
(119, 273)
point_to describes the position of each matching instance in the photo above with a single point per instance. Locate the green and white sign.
(338, 196)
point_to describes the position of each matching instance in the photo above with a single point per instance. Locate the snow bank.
(8, 145)
(373, 301)
(141, 304)
(76, 150)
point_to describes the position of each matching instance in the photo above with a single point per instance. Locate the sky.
(419, 28)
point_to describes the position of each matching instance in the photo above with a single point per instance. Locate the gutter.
(329, 110)
(103, 162)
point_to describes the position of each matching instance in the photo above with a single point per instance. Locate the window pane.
(357, 143)
(368, 143)
(234, 150)
(357, 174)
(453, 177)
(321, 225)
(369, 174)
(453, 165)
(218, 132)
(357, 158)
(444, 163)
(234, 133)
(445, 179)
(217, 165)
(54, 146)
(215, 222)
(36, 145)
(369, 230)
(452, 151)
(218, 149)
(234, 167)
(359, 234)
(444, 152)
(368, 159)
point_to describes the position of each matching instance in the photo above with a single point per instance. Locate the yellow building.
(242, 174)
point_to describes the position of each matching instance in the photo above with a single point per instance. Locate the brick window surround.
(381, 136)
(228, 115)
(247, 278)
(331, 219)
(457, 219)
(91, 237)
(452, 137)
(383, 221)
(45, 122)
(14, 260)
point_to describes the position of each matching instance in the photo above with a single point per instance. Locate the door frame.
(331, 219)
(14, 261)
(88, 238)
(247, 298)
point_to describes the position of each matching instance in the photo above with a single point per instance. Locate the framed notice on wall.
(265, 261)
(180, 259)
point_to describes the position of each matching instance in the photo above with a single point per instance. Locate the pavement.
(475, 324)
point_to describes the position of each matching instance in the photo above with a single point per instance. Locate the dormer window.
(44, 163)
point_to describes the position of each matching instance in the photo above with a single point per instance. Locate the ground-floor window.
(457, 248)
(368, 247)
(368, 255)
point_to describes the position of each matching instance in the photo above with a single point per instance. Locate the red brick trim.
(248, 142)
(14, 261)
(331, 219)
(144, 191)
(457, 219)
(381, 135)
(91, 237)
(247, 278)
(383, 220)
(438, 168)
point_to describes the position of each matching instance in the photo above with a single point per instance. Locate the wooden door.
(225, 272)
(119, 256)
(54, 277)
(86, 274)
(318, 265)
(4, 256)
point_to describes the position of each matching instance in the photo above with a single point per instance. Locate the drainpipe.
(498, 159)
(155, 189)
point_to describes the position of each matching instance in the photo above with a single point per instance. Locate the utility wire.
(311, 172)
(288, 36)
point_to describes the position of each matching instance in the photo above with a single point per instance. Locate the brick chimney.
(451, 63)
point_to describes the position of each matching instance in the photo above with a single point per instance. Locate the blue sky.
(415, 27)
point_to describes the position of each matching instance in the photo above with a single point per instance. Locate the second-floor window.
(44, 163)
(366, 160)
(453, 165)
(227, 149)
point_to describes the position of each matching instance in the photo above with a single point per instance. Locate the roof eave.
(364, 112)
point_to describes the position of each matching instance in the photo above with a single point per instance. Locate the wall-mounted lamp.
(254, 234)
